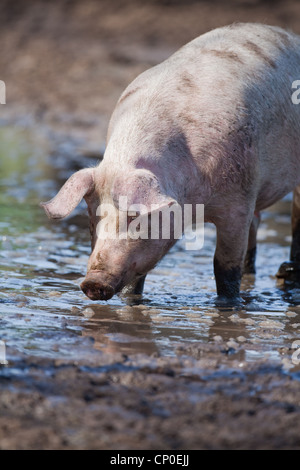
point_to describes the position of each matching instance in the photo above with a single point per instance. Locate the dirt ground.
(65, 63)
(198, 400)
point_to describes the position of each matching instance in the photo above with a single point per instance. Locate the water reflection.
(43, 311)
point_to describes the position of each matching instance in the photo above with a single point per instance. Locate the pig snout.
(96, 288)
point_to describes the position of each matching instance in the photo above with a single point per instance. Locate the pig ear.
(140, 188)
(70, 195)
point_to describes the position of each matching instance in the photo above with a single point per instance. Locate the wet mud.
(173, 369)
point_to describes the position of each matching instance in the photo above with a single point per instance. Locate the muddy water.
(44, 313)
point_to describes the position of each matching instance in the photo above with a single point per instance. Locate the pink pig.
(215, 124)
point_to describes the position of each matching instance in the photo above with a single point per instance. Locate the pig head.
(119, 261)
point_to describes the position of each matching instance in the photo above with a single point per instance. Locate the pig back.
(223, 105)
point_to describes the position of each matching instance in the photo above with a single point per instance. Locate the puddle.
(44, 313)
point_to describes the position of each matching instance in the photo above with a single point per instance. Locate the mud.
(172, 370)
(198, 400)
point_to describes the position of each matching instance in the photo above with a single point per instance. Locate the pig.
(214, 124)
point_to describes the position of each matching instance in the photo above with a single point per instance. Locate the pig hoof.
(228, 302)
(290, 271)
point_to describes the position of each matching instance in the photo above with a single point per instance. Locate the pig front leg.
(232, 242)
(139, 286)
(136, 288)
(290, 270)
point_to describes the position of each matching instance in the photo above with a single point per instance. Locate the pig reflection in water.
(214, 124)
(120, 330)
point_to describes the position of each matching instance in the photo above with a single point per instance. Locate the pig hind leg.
(249, 264)
(290, 270)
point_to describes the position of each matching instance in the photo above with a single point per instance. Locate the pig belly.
(269, 196)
